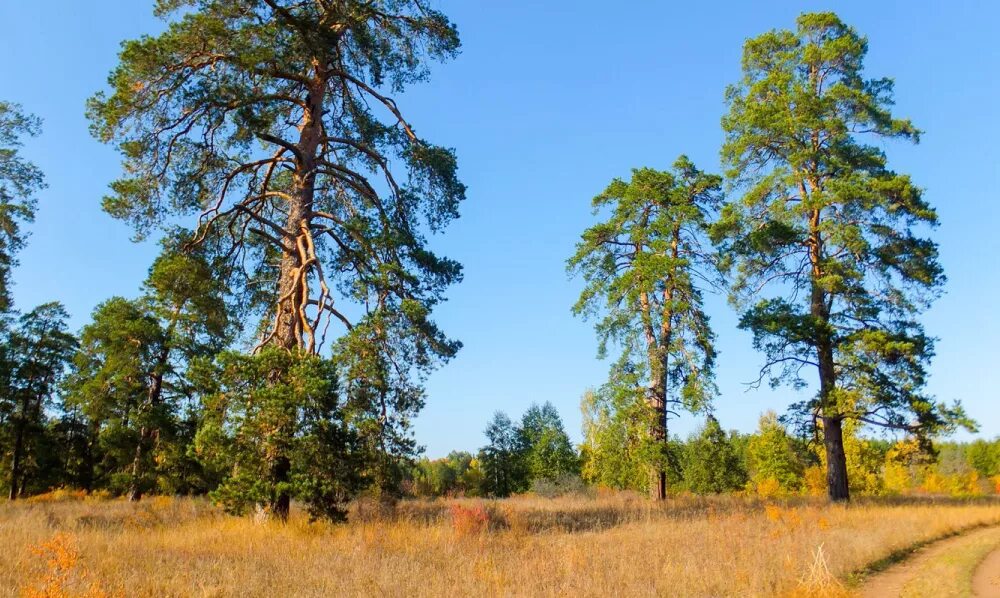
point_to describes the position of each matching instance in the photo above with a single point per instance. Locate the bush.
(469, 521)
(564, 485)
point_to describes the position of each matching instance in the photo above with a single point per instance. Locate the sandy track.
(900, 580)
(986, 580)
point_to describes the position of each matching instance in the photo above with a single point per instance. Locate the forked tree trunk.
(659, 362)
(290, 323)
(656, 400)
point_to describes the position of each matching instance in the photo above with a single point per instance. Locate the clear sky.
(550, 100)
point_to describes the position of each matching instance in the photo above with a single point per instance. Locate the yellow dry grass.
(612, 545)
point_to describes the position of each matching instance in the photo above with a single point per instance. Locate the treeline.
(532, 454)
(770, 462)
(146, 398)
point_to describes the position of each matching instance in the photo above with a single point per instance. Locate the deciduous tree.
(502, 459)
(711, 463)
(772, 456)
(549, 454)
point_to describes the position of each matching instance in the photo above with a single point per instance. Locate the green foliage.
(458, 474)
(129, 378)
(865, 460)
(712, 464)
(825, 238)
(502, 459)
(984, 457)
(772, 455)
(20, 180)
(186, 105)
(516, 458)
(34, 353)
(118, 356)
(271, 121)
(618, 450)
(276, 421)
(383, 397)
(640, 267)
(549, 455)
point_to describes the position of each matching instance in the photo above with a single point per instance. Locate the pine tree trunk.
(145, 433)
(658, 473)
(290, 327)
(18, 452)
(90, 461)
(836, 460)
(833, 437)
(135, 486)
(280, 502)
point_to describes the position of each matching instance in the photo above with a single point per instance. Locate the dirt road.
(944, 568)
(986, 580)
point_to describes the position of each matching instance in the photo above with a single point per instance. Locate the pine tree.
(642, 268)
(317, 450)
(825, 239)
(273, 122)
(35, 355)
(130, 374)
(20, 180)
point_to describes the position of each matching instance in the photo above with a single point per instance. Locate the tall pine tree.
(272, 121)
(642, 268)
(826, 239)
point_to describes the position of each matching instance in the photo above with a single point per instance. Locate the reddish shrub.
(469, 521)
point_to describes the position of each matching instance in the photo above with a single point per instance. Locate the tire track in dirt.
(986, 581)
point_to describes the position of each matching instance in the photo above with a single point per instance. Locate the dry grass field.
(610, 545)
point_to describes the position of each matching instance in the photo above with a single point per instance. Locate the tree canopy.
(33, 358)
(20, 180)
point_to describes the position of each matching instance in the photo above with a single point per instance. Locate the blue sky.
(547, 103)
